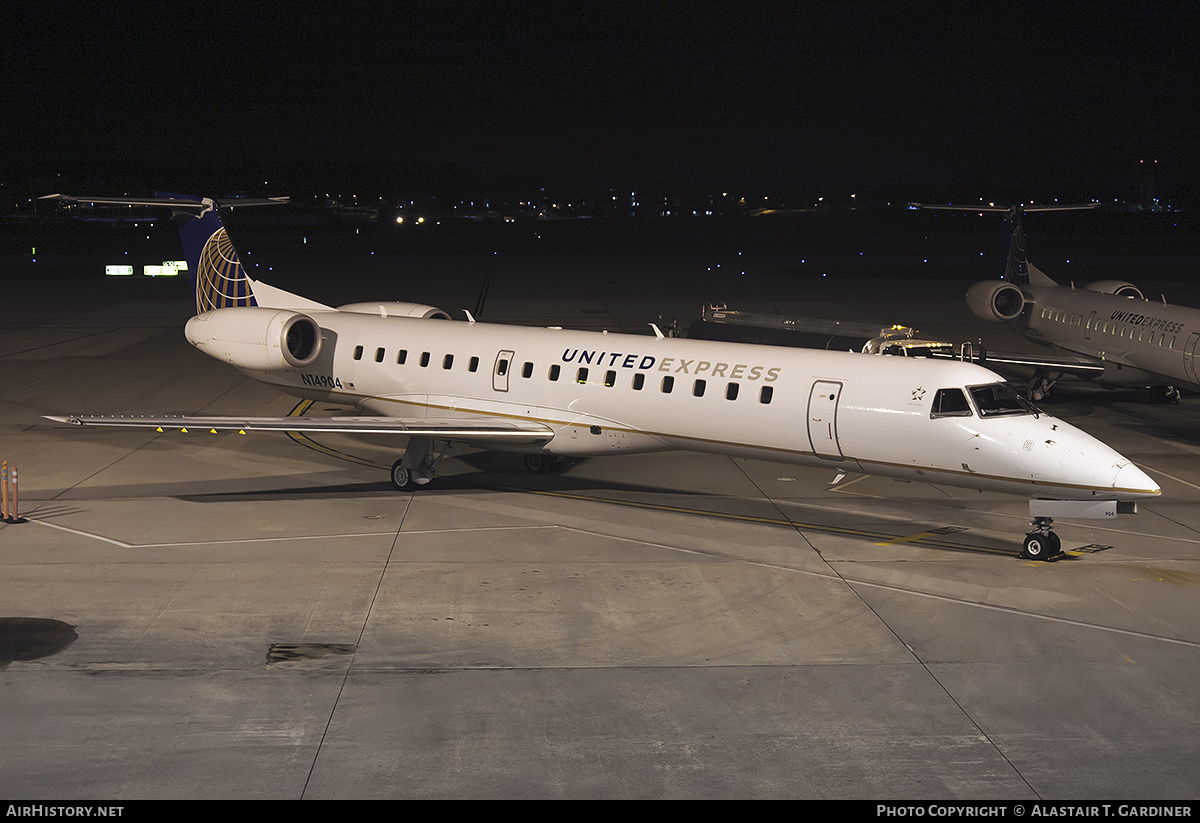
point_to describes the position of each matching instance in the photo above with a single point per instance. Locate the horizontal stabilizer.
(191, 204)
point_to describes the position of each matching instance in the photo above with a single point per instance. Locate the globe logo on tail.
(221, 281)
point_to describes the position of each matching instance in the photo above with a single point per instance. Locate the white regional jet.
(1106, 331)
(551, 394)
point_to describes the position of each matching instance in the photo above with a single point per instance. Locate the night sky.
(965, 97)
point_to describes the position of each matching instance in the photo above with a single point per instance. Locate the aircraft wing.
(801, 331)
(1000, 360)
(479, 429)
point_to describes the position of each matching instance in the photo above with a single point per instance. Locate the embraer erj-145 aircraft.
(1108, 331)
(550, 393)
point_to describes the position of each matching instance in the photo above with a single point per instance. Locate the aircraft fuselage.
(612, 393)
(1138, 341)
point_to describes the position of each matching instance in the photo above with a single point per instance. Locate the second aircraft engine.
(419, 310)
(1118, 287)
(996, 300)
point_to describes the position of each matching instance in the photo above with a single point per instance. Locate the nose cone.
(1098, 472)
(1070, 464)
(1132, 483)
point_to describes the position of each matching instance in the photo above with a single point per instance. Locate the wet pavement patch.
(301, 652)
(29, 638)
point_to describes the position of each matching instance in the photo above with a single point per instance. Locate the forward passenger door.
(822, 419)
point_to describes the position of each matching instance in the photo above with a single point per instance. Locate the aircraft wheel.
(1164, 394)
(536, 464)
(542, 463)
(402, 479)
(1039, 546)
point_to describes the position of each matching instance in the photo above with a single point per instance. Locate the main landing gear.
(1164, 394)
(1041, 543)
(1041, 386)
(416, 467)
(538, 463)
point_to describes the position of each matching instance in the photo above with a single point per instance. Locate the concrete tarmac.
(224, 616)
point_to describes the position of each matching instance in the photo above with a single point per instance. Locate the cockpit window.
(999, 399)
(950, 403)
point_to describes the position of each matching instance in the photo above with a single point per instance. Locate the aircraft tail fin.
(218, 278)
(1018, 270)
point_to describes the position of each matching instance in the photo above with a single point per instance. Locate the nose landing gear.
(1041, 543)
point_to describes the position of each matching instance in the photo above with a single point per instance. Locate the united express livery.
(550, 394)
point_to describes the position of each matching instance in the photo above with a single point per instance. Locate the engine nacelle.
(261, 339)
(996, 300)
(1117, 287)
(396, 310)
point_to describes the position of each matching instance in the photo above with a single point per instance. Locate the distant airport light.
(118, 271)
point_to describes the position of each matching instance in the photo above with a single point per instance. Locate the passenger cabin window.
(448, 362)
(358, 350)
(668, 383)
(639, 380)
(950, 403)
(473, 364)
(765, 394)
(424, 359)
(610, 378)
(379, 355)
(401, 356)
(502, 366)
(698, 388)
(581, 375)
(555, 371)
(527, 370)
(731, 391)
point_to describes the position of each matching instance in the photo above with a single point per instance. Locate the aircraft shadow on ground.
(494, 474)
